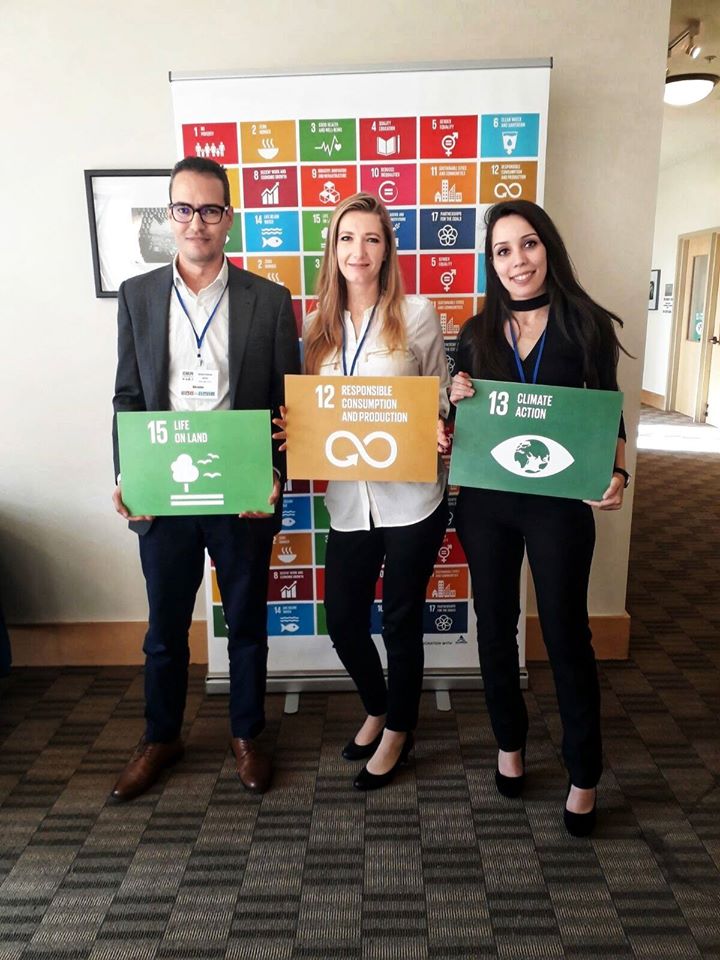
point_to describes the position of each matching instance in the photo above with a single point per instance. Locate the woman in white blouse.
(365, 326)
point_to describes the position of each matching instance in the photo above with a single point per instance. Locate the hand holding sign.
(272, 500)
(281, 423)
(462, 387)
(122, 509)
(612, 499)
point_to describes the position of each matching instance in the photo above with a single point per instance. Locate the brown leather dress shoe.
(253, 768)
(145, 766)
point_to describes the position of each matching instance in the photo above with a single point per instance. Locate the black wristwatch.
(624, 474)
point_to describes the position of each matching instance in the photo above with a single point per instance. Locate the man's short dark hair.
(206, 166)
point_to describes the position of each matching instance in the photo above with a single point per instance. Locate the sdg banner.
(533, 438)
(438, 144)
(179, 464)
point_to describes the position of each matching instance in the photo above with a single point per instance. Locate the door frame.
(711, 304)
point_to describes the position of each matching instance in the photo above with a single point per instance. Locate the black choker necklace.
(521, 306)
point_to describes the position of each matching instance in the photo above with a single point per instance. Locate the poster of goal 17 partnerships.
(438, 147)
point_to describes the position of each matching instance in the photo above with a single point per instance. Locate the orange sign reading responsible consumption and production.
(362, 428)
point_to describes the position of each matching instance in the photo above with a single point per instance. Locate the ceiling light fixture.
(682, 89)
(686, 88)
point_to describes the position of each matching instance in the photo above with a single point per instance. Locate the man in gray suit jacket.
(202, 334)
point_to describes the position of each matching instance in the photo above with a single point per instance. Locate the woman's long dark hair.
(576, 315)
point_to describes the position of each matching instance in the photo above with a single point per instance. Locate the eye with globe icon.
(532, 456)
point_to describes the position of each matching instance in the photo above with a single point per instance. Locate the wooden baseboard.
(656, 400)
(611, 638)
(120, 643)
(115, 643)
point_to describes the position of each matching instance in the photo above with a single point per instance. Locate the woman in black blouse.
(538, 326)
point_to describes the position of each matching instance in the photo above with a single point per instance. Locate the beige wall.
(85, 85)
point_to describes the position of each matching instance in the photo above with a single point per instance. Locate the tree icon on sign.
(184, 470)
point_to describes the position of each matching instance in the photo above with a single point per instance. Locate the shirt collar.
(347, 318)
(218, 283)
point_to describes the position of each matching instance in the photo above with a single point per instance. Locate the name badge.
(200, 383)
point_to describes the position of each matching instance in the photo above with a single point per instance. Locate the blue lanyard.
(518, 361)
(199, 339)
(359, 347)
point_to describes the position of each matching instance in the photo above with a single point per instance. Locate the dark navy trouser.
(172, 553)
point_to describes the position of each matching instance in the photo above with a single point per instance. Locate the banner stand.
(439, 681)
(439, 144)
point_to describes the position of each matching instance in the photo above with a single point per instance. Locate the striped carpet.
(438, 866)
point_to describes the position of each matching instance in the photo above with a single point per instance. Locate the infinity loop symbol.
(361, 446)
(508, 190)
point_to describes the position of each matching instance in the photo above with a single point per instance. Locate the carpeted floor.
(436, 866)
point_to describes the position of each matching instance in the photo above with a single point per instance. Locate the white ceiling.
(689, 130)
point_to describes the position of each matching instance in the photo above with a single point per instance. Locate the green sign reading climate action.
(533, 438)
(176, 464)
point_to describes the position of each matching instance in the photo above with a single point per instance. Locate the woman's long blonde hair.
(323, 337)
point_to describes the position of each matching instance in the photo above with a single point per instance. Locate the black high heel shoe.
(579, 824)
(361, 751)
(373, 781)
(510, 787)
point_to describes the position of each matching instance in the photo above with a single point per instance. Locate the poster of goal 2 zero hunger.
(438, 146)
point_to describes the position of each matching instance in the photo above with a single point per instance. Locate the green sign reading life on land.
(175, 464)
(534, 438)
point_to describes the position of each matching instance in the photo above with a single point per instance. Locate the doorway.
(694, 387)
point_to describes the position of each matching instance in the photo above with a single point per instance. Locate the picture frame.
(654, 293)
(129, 229)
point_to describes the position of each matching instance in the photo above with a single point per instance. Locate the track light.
(690, 34)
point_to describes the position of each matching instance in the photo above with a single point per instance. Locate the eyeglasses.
(209, 212)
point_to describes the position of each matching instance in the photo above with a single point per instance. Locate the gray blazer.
(262, 348)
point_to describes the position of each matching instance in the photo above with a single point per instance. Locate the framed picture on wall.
(654, 296)
(129, 229)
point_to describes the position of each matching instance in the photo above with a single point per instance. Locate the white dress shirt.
(183, 345)
(351, 503)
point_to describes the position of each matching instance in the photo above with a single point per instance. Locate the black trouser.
(173, 558)
(559, 535)
(352, 566)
